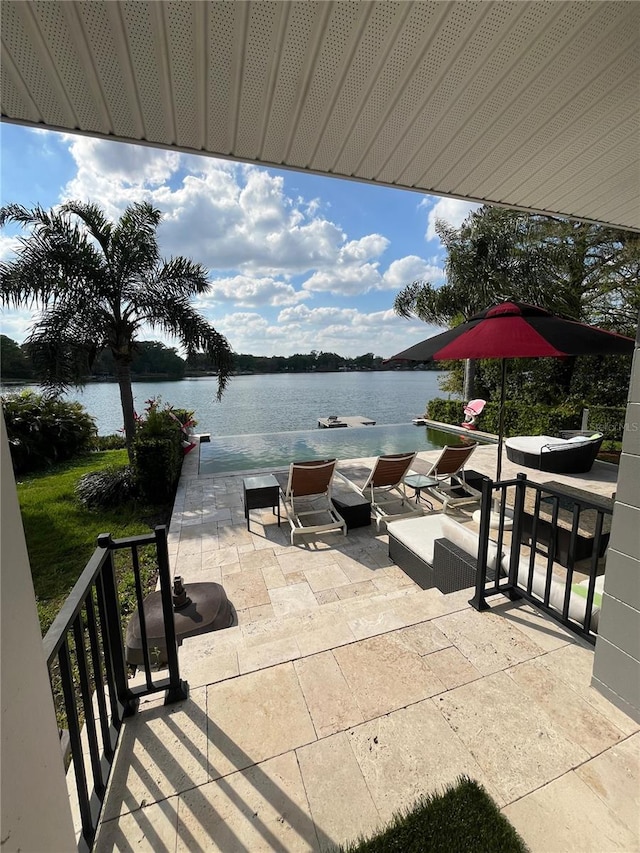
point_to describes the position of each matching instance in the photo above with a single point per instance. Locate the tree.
(97, 284)
(579, 270)
(14, 362)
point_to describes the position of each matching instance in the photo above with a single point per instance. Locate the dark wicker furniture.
(564, 457)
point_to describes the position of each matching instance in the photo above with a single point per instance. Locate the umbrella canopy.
(516, 330)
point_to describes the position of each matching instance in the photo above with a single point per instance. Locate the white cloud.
(250, 292)
(452, 210)
(16, 324)
(403, 271)
(9, 244)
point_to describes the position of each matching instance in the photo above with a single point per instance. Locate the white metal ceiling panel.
(528, 104)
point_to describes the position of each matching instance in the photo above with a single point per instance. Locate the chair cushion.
(531, 443)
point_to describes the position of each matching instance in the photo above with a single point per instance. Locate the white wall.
(35, 812)
(616, 667)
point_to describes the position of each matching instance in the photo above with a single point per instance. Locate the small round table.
(420, 482)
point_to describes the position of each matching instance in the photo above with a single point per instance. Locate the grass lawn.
(61, 533)
(464, 819)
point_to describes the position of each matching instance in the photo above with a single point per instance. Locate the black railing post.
(125, 696)
(479, 601)
(178, 689)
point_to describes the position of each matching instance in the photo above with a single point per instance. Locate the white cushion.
(420, 534)
(531, 443)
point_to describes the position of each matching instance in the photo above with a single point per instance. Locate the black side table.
(261, 492)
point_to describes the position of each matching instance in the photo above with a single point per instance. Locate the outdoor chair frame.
(448, 469)
(307, 493)
(383, 487)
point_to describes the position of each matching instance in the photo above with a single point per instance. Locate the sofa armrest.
(453, 568)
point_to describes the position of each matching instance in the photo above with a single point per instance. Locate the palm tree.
(96, 284)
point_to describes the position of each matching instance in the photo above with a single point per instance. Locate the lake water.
(273, 402)
(266, 421)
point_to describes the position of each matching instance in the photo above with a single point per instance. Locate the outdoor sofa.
(572, 453)
(437, 551)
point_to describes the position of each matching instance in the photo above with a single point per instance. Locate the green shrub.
(525, 419)
(45, 429)
(110, 442)
(107, 488)
(158, 452)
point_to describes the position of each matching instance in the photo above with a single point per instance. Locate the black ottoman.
(355, 510)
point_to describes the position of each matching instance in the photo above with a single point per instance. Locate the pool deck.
(345, 691)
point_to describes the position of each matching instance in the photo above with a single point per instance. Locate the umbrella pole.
(503, 383)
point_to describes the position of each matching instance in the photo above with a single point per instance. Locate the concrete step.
(234, 651)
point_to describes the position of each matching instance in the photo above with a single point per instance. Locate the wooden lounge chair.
(382, 486)
(448, 469)
(307, 498)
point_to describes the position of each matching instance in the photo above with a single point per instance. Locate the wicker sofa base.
(453, 568)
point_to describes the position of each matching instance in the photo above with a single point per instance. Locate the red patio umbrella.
(516, 330)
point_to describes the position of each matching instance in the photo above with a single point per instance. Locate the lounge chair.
(448, 469)
(306, 494)
(382, 486)
(573, 454)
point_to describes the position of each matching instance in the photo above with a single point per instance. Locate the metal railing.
(511, 509)
(85, 655)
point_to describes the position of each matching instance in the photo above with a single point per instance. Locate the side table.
(261, 492)
(418, 482)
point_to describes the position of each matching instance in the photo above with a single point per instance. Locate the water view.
(274, 402)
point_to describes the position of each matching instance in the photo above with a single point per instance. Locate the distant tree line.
(152, 359)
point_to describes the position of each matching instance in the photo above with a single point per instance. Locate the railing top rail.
(76, 598)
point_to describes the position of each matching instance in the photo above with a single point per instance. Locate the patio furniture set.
(434, 549)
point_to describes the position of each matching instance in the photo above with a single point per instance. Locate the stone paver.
(341, 675)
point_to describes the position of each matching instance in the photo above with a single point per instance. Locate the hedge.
(522, 419)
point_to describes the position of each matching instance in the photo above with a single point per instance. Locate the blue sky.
(297, 262)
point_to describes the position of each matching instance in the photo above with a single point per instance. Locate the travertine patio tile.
(574, 665)
(313, 640)
(370, 625)
(257, 559)
(255, 717)
(383, 675)
(411, 752)
(354, 568)
(262, 612)
(187, 564)
(190, 546)
(614, 776)
(422, 638)
(266, 630)
(150, 829)
(542, 630)
(208, 668)
(294, 578)
(329, 698)
(489, 642)
(261, 809)
(326, 596)
(299, 559)
(328, 576)
(267, 654)
(292, 599)
(567, 815)
(233, 535)
(224, 555)
(514, 740)
(200, 574)
(420, 606)
(330, 770)
(384, 583)
(580, 721)
(246, 589)
(162, 751)
(452, 667)
(273, 576)
(363, 589)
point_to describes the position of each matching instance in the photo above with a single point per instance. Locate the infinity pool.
(273, 450)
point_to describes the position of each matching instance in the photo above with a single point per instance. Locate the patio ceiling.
(526, 104)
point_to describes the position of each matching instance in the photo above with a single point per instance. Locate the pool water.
(275, 450)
